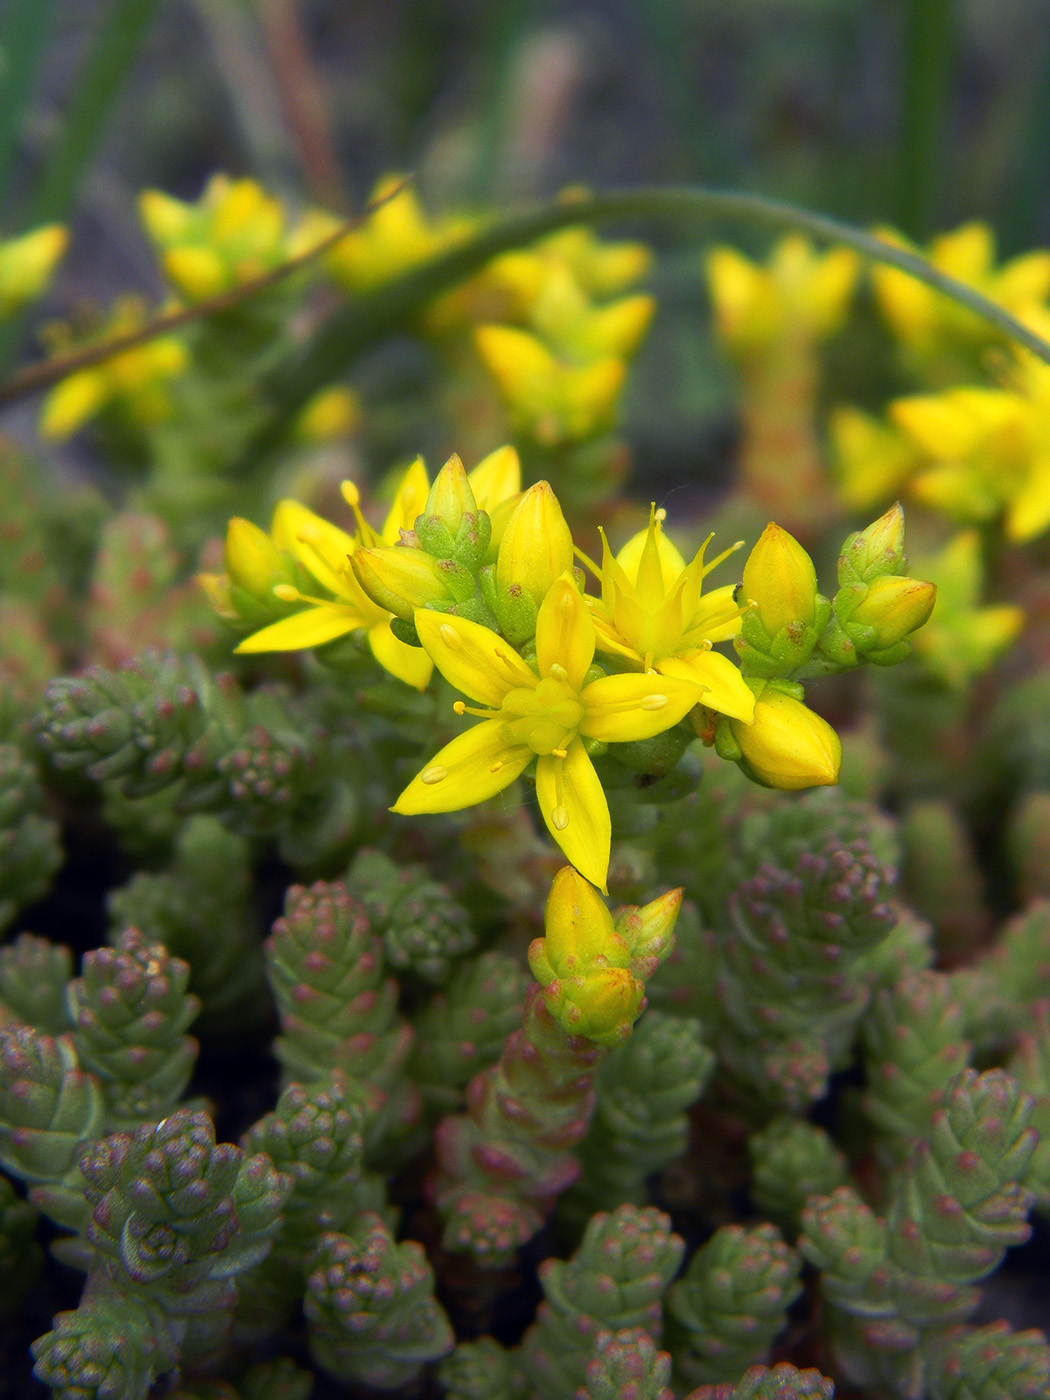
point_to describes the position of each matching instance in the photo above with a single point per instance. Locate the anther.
(653, 702)
(559, 672)
(449, 635)
(560, 753)
(459, 707)
(434, 774)
(286, 592)
(559, 819)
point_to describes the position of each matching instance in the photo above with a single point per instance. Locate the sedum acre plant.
(465, 940)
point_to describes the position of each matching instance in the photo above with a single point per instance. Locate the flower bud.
(331, 414)
(779, 577)
(252, 561)
(868, 554)
(603, 1006)
(895, 606)
(649, 931)
(578, 931)
(400, 579)
(26, 265)
(196, 272)
(167, 220)
(788, 746)
(536, 547)
(450, 496)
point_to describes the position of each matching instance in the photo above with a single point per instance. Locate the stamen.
(434, 774)
(559, 818)
(706, 644)
(459, 707)
(661, 514)
(286, 592)
(558, 671)
(566, 604)
(495, 767)
(449, 635)
(653, 702)
(560, 753)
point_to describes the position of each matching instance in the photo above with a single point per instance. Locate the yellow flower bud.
(536, 547)
(72, 403)
(167, 220)
(578, 931)
(779, 577)
(27, 263)
(196, 272)
(603, 1007)
(649, 930)
(788, 746)
(399, 579)
(450, 496)
(252, 561)
(331, 414)
(895, 606)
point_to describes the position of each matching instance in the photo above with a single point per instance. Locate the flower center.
(545, 717)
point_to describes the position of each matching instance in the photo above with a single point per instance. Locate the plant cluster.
(482, 960)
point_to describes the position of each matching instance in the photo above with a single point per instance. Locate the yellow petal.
(321, 547)
(565, 633)
(496, 478)
(671, 562)
(1028, 514)
(725, 688)
(574, 808)
(620, 709)
(473, 658)
(409, 664)
(473, 767)
(409, 500)
(310, 628)
(73, 403)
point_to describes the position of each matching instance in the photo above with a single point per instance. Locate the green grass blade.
(929, 50)
(99, 83)
(24, 32)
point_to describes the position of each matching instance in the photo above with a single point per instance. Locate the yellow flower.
(324, 551)
(799, 291)
(987, 452)
(873, 460)
(328, 555)
(397, 236)
(927, 321)
(551, 400)
(233, 233)
(653, 616)
(544, 715)
(133, 382)
(962, 638)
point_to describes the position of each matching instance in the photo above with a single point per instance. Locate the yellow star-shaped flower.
(653, 615)
(544, 715)
(324, 552)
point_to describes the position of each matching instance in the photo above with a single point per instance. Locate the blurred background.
(917, 113)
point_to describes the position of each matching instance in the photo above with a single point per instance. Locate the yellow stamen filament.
(435, 774)
(290, 594)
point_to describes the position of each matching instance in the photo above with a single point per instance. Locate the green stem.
(353, 328)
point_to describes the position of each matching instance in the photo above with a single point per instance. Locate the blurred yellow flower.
(27, 264)
(797, 292)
